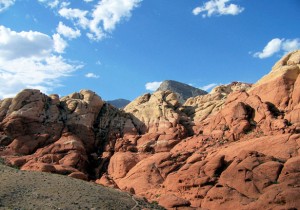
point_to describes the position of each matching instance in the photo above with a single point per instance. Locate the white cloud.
(21, 73)
(270, 49)
(67, 32)
(291, 45)
(27, 60)
(64, 4)
(108, 13)
(76, 15)
(208, 87)
(102, 20)
(4, 4)
(59, 43)
(23, 44)
(50, 3)
(197, 11)
(218, 8)
(278, 45)
(98, 22)
(152, 86)
(54, 3)
(91, 75)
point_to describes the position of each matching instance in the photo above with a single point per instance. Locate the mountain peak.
(183, 91)
(119, 103)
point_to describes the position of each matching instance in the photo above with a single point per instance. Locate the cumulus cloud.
(4, 4)
(59, 43)
(108, 13)
(28, 60)
(23, 44)
(98, 22)
(76, 15)
(218, 8)
(291, 45)
(104, 17)
(278, 45)
(152, 86)
(67, 32)
(270, 49)
(50, 3)
(91, 75)
(208, 87)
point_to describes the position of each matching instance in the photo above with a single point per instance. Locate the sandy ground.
(36, 190)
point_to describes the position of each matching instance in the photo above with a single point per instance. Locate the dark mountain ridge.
(119, 103)
(183, 91)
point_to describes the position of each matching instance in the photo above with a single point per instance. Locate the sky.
(125, 48)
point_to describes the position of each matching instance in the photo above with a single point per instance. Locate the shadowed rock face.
(236, 147)
(183, 91)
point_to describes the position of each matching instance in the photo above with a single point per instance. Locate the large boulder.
(31, 120)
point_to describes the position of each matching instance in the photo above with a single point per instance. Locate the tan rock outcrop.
(157, 111)
(279, 86)
(200, 107)
(158, 116)
(82, 108)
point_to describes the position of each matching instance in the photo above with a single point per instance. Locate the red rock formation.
(237, 147)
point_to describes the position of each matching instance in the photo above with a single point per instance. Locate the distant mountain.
(119, 103)
(183, 91)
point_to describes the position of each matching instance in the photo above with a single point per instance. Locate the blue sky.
(124, 48)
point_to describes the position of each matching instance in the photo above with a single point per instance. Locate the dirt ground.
(36, 190)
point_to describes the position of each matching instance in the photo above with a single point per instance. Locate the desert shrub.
(2, 160)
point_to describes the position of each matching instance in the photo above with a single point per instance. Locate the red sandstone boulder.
(78, 175)
(145, 175)
(121, 163)
(172, 201)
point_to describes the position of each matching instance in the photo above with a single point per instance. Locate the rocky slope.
(183, 91)
(32, 190)
(237, 147)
